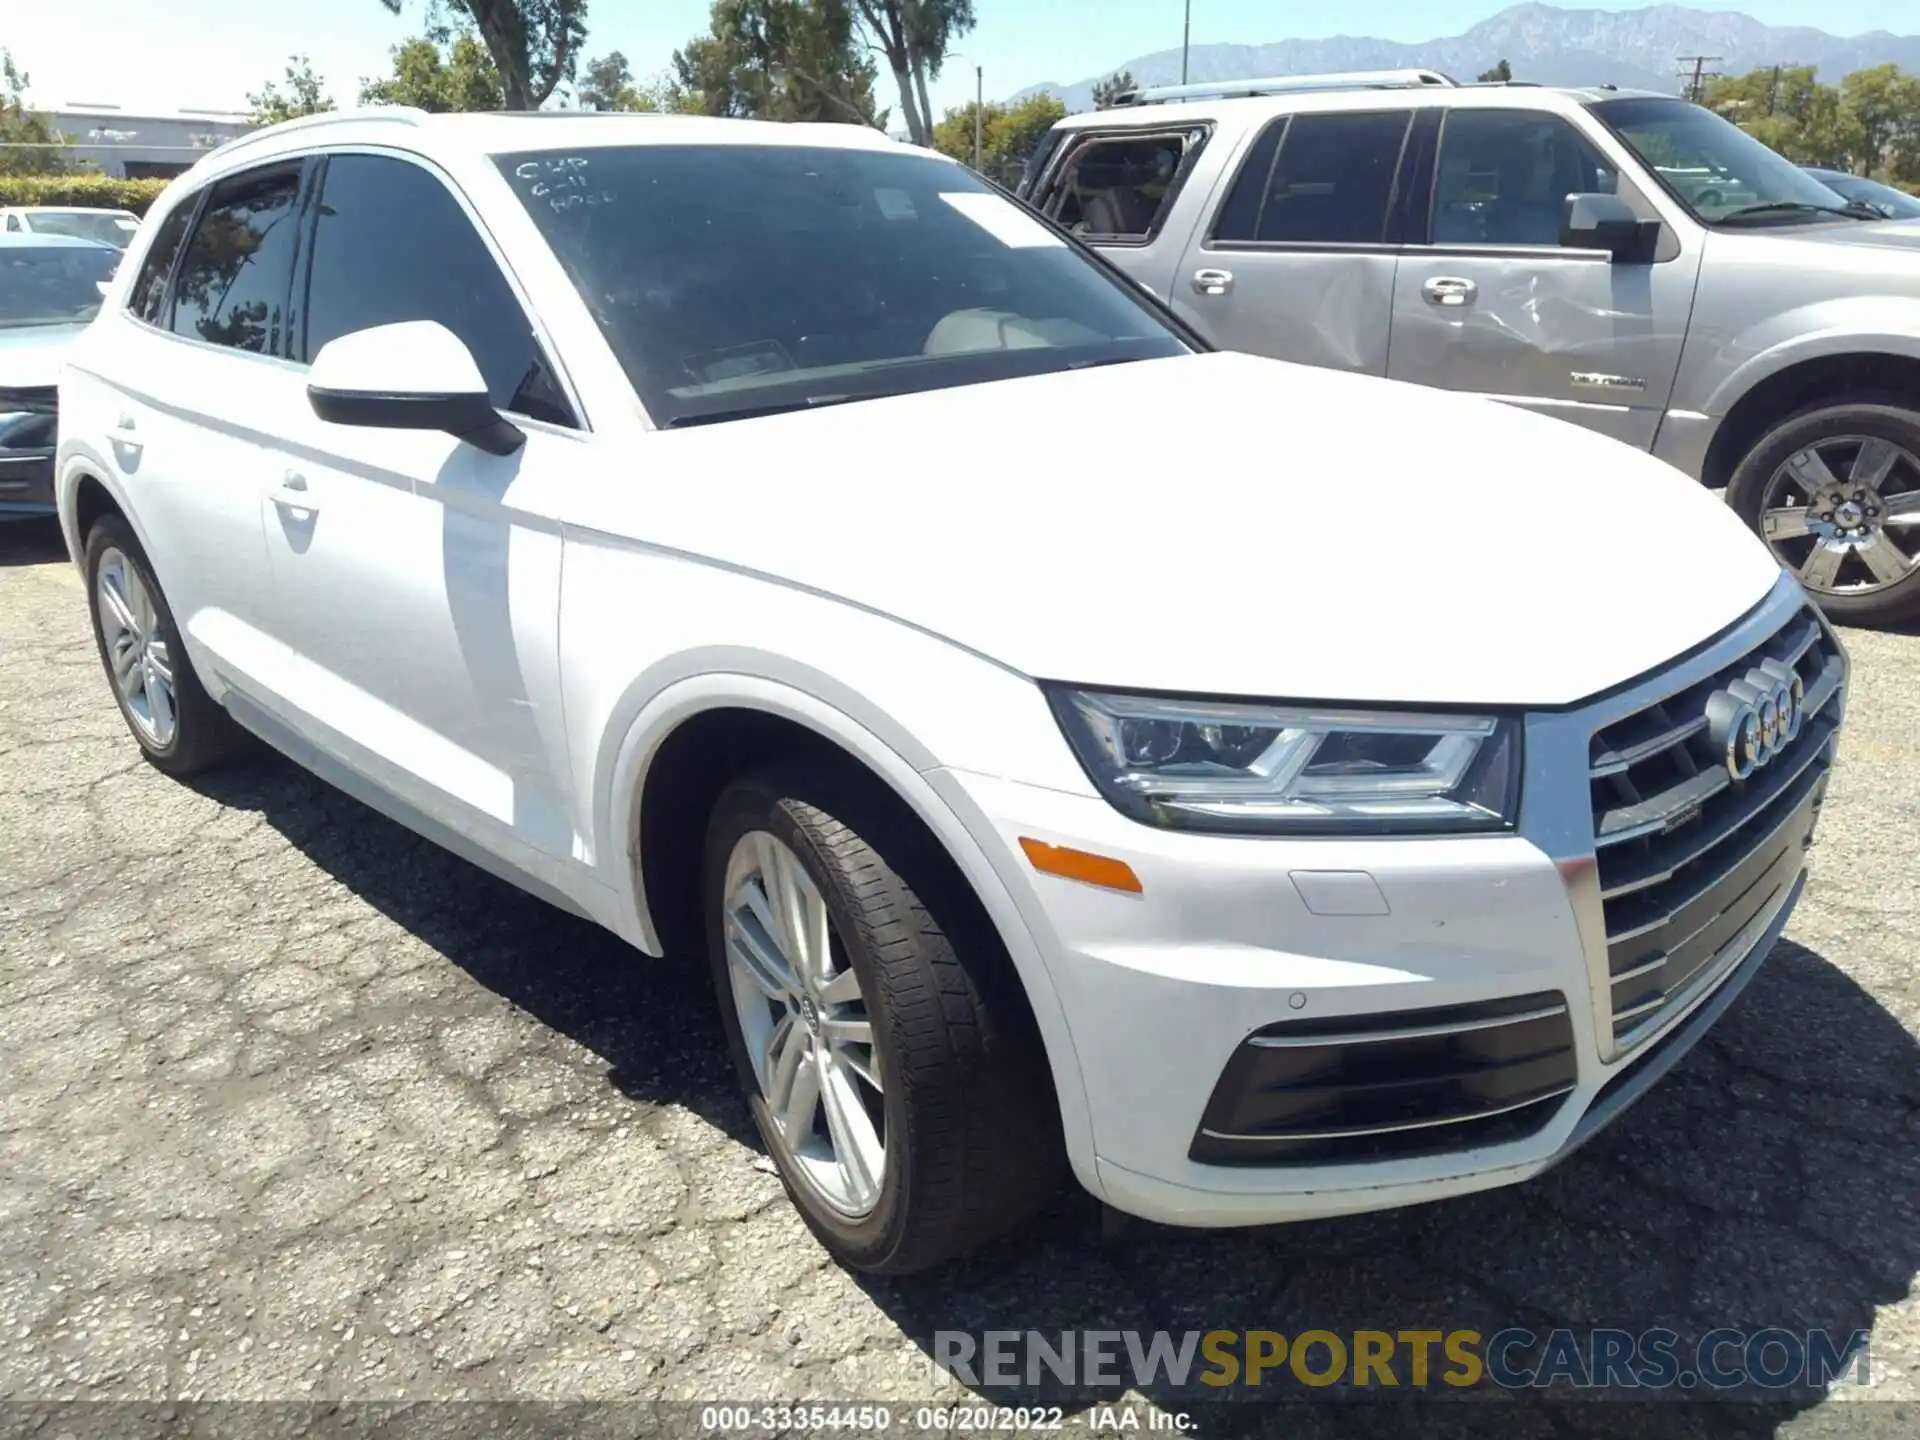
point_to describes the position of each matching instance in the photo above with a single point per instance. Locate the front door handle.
(1449, 290)
(292, 494)
(1212, 282)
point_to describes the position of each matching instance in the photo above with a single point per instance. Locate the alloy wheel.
(1844, 514)
(806, 1025)
(137, 650)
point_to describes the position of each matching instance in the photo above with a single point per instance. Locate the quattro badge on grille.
(1754, 718)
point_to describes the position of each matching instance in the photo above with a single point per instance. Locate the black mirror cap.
(1605, 222)
(470, 417)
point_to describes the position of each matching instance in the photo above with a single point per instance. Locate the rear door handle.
(1449, 290)
(1212, 282)
(292, 494)
(123, 432)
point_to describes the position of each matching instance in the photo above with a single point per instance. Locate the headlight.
(1205, 765)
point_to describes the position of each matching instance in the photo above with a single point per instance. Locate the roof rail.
(395, 114)
(1285, 85)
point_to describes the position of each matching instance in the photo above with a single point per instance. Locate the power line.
(1697, 85)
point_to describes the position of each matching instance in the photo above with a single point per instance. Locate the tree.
(462, 79)
(1112, 88)
(1788, 109)
(1884, 107)
(303, 95)
(1501, 74)
(1008, 134)
(777, 60)
(607, 84)
(915, 36)
(533, 44)
(28, 144)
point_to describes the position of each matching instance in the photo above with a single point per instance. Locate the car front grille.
(1391, 1086)
(1692, 861)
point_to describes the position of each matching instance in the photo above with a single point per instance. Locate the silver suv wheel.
(805, 1024)
(882, 1040)
(136, 649)
(1843, 513)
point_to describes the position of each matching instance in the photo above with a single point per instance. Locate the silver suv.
(1626, 261)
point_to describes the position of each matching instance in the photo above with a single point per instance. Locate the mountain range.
(1634, 49)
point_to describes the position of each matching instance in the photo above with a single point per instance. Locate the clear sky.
(210, 53)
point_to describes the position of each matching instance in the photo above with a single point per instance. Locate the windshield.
(737, 279)
(1897, 204)
(52, 286)
(105, 226)
(1714, 168)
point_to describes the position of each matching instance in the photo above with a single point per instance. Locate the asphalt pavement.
(295, 1106)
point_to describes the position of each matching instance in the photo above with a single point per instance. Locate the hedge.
(101, 192)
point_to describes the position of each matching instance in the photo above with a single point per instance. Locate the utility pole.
(1697, 86)
(1186, 34)
(979, 108)
(1773, 91)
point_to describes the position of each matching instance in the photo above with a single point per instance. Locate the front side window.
(52, 284)
(1504, 177)
(392, 244)
(1719, 172)
(738, 279)
(1119, 186)
(1328, 180)
(149, 296)
(233, 283)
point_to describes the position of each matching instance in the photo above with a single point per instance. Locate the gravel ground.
(295, 1106)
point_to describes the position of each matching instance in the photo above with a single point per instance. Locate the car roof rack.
(1285, 85)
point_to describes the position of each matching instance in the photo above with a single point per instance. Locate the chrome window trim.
(1556, 803)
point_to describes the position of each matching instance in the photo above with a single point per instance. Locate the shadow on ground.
(31, 542)
(1773, 1180)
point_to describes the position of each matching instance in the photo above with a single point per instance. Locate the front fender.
(1857, 325)
(723, 679)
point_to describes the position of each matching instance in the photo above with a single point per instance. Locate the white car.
(1068, 748)
(107, 227)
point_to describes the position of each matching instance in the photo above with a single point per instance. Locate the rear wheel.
(176, 723)
(886, 1052)
(1835, 492)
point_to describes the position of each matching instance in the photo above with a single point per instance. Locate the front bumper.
(1182, 1000)
(26, 482)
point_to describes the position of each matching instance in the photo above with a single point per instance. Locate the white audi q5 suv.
(1262, 791)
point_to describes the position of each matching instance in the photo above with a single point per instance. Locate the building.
(144, 144)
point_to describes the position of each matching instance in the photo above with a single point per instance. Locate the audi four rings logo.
(1757, 716)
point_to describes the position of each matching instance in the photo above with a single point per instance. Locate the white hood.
(1221, 525)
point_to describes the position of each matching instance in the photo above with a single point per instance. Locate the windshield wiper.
(749, 412)
(1853, 210)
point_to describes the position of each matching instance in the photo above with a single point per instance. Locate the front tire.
(1835, 493)
(885, 1048)
(175, 722)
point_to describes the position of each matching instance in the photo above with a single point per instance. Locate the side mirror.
(1605, 222)
(416, 375)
